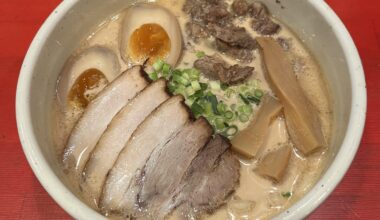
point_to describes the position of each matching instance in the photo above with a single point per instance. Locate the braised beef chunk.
(258, 10)
(240, 7)
(234, 36)
(241, 54)
(206, 66)
(284, 43)
(206, 11)
(234, 74)
(195, 31)
(216, 68)
(212, 177)
(262, 22)
(265, 26)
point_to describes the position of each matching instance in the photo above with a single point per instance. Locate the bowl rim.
(79, 210)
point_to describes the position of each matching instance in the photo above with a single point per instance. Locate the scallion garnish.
(202, 97)
(221, 107)
(158, 65)
(215, 85)
(243, 117)
(200, 54)
(259, 93)
(286, 194)
(214, 102)
(229, 115)
(253, 99)
(245, 100)
(197, 109)
(196, 86)
(204, 86)
(219, 123)
(153, 76)
(224, 86)
(231, 130)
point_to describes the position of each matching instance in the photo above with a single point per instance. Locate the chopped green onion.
(255, 83)
(196, 86)
(286, 194)
(179, 79)
(198, 94)
(176, 73)
(233, 107)
(247, 109)
(221, 107)
(204, 86)
(200, 54)
(196, 109)
(193, 74)
(245, 100)
(229, 115)
(243, 88)
(219, 123)
(215, 85)
(214, 102)
(172, 86)
(243, 117)
(181, 89)
(208, 109)
(231, 130)
(190, 91)
(253, 99)
(185, 75)
(153, 76)
(229, 92)
(224, 86)
(165, 69)
(259, 93)
(158, 65)
(189, 102)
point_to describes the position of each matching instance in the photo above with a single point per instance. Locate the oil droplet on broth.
(149, 41)
(86, 87)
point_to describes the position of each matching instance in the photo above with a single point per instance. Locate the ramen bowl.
(313, 21)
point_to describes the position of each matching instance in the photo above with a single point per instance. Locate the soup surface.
(255, 196)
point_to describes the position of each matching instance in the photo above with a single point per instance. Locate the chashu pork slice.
(98, 114)
(167, 166)
(155, 131)
(211, 191)
(117, 134)
(212, 176)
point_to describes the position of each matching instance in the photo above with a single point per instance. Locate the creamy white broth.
(261, 193)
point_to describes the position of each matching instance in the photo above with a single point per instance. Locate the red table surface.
(22, 197)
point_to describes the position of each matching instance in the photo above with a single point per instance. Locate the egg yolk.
(80, 94)
(150, 41)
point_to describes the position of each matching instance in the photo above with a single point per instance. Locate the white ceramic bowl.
(312, 20)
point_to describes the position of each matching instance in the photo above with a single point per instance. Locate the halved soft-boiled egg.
(85, 74)
(150, 32)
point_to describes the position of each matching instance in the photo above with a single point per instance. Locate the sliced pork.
(155, 131)
(212, 176)
(167, 166)
(118, 133)
(102, 109)
(211, 189)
